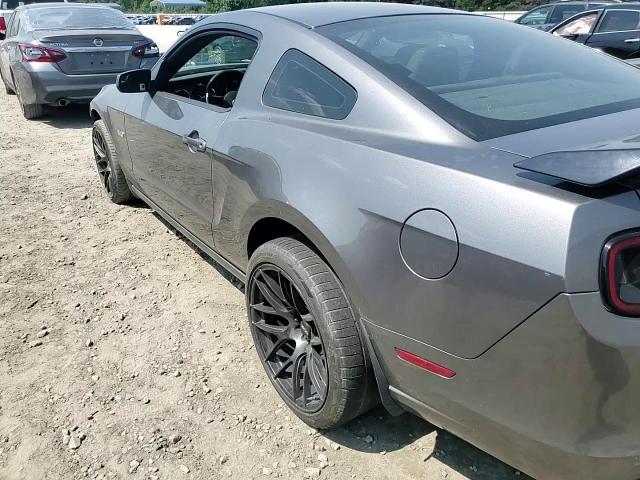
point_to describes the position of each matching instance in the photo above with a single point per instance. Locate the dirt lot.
(125, 354)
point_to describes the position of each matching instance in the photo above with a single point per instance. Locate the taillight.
(3, 25)
(621, 274)
(146, 50)
(38, 53)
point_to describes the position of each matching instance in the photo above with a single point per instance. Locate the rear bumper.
(556, 398)
(46, 84)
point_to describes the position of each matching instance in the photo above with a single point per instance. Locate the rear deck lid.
(591, 152)
(94, 51)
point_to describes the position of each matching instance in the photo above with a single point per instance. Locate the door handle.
(632, 40)
(194, 142)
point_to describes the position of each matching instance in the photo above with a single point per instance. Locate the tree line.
(214, 6)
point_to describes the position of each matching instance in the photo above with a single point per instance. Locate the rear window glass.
(77, 18)
(300, 84)
(489, 77)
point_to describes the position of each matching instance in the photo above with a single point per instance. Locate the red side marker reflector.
(427, 365)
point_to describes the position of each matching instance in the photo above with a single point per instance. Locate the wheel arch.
(95, 115)
(281, 220)
(273, 219)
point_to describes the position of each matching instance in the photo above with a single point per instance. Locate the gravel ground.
(124, 353)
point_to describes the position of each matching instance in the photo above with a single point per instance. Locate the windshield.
(489, 77)
(76, 18)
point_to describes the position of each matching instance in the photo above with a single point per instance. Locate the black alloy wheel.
(288, 339)
(103, 165)
(306, 334)
(105, 154)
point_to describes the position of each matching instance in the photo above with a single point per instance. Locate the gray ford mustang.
(427, 208)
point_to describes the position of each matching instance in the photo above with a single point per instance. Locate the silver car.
(427, 207)
(59, 53)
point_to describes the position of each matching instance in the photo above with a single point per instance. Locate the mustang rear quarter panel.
(357, 180)
(550, 398)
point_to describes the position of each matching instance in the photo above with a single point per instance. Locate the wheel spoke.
(278, 344)
(276, 288)
(103, 167)
(98, 149)
(283, 368)
(306, 382)
(272, 298)
(316, 372)
(298, 369)
(99, 145)
(277, 330)
(264, 308)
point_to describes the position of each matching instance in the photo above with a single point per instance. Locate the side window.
(619, 21)
(211, 69)
(300, 84)
(579, 26)
(537, 16)
(563, 12)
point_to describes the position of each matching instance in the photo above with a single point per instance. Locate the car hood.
(590, 152)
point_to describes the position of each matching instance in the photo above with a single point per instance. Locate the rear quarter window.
(302, 85)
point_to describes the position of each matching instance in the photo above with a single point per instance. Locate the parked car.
(613, 29)
(145, 20)
(545, 17)
(56, 54)
(430, 208)
(185, 21)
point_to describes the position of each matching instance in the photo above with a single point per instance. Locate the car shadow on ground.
(233, 280)
(378, 432)
(71, 116)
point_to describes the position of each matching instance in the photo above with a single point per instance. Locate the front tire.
(109, 170)
(7, 89)
(306, 335)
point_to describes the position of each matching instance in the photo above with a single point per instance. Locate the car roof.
(623, 6)
(34, 6)
(580, 2)
(313, 15)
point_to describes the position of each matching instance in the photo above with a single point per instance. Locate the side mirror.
(134, 81)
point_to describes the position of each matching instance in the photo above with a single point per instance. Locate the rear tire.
(32, 111)
(106, 156)
(317, 329)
